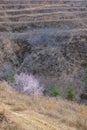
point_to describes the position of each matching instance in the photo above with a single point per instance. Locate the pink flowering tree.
(27, 84)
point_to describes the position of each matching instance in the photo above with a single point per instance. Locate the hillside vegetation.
(45, 38)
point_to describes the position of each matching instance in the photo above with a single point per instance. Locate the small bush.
(85, 86)
(27, 84)
(11, 77)
(55, 92)
(71, 93)
(85, 80)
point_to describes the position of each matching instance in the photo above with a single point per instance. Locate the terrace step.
(43, 10)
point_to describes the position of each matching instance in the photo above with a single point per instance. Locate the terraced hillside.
(60, 13)
(50, 38)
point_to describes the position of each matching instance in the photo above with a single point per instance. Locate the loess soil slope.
(46, 38)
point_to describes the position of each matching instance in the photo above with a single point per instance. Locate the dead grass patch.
(19, 107)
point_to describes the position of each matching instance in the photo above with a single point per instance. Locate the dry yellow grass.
(21, 112)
